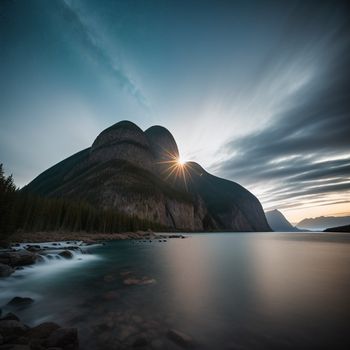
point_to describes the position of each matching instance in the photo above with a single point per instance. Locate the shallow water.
(225, 291)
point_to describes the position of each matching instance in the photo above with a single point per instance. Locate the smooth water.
(225, 291)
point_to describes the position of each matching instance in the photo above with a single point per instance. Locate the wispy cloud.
(94, 47)
(302, 156)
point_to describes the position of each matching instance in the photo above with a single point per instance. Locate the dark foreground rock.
(18, 258)
(14, 335)
(6, 270)
(63, 338)
(66, 254)
(20, 302)
(180, 338)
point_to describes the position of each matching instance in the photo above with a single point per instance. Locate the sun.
(181, 161)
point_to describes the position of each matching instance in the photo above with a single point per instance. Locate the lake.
(223, 290)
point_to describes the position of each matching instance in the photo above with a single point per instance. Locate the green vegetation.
(21, 210)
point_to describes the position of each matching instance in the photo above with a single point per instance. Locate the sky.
(255, 91)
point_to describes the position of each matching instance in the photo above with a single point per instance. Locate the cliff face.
(136, 173)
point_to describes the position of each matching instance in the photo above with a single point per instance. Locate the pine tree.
(7, 199)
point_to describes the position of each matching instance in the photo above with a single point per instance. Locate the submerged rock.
(14, 335)
(12, 328)
(65, 338)
(140, 341)
(66, 254)
(108, 278)
(6, 270)
(138, 281)
(9, 316)
(17, 347)
(43, 330)
(20, 302)
(180, 338)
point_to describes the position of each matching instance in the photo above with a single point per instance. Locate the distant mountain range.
(278, 222)
(137, 173)
(323, 222)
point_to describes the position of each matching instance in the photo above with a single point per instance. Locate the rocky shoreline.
(45, 246)
(57, 236)
(15, 335)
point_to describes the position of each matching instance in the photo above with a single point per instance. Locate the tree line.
(23, 211)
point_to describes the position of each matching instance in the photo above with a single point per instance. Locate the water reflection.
(226, 291)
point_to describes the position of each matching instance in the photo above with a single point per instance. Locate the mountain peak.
(137, 173)
(162, 143)
(278, 221)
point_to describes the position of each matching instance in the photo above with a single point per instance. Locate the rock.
(111, 295)
(20, 302)
(17, 258)
(140, 341)
(137, 319)
(180, 338)
(6, 270)
(125, 273)
(24, 340)
(10, 328)
(15, 347)
(66, 254)
(108, 278)
(10, 316)
(157, 344)
(132, 281)
(66, 338)
(43, 330)
(126, 331)
(33, 248)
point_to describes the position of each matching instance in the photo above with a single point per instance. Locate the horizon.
(255, 92)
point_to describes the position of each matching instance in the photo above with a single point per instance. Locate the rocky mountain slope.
(138, 174)
(345, 228)
(278, 222)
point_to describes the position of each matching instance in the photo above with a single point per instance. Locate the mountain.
(138, 174)
(345, 228)
(278, 222)
(322, 222)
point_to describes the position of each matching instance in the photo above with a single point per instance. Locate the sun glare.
(181, 161)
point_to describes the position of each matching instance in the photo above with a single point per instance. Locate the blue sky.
(255, 91)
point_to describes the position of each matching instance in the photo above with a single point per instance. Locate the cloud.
(303, 152)
(93, 45)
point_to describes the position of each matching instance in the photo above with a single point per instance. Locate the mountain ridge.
(278, 221)
(137, 172)
(323, 222)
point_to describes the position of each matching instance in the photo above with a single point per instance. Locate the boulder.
(6, 270)
(140, 341)
(33, 248)
(10, 316)
(66, 254)
(43, 330)
(65, 338)
(180, 338)
(17, 258)
(20, 302)
(15, 347)
(12, 328)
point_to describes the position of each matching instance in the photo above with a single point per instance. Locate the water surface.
(225, 291)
